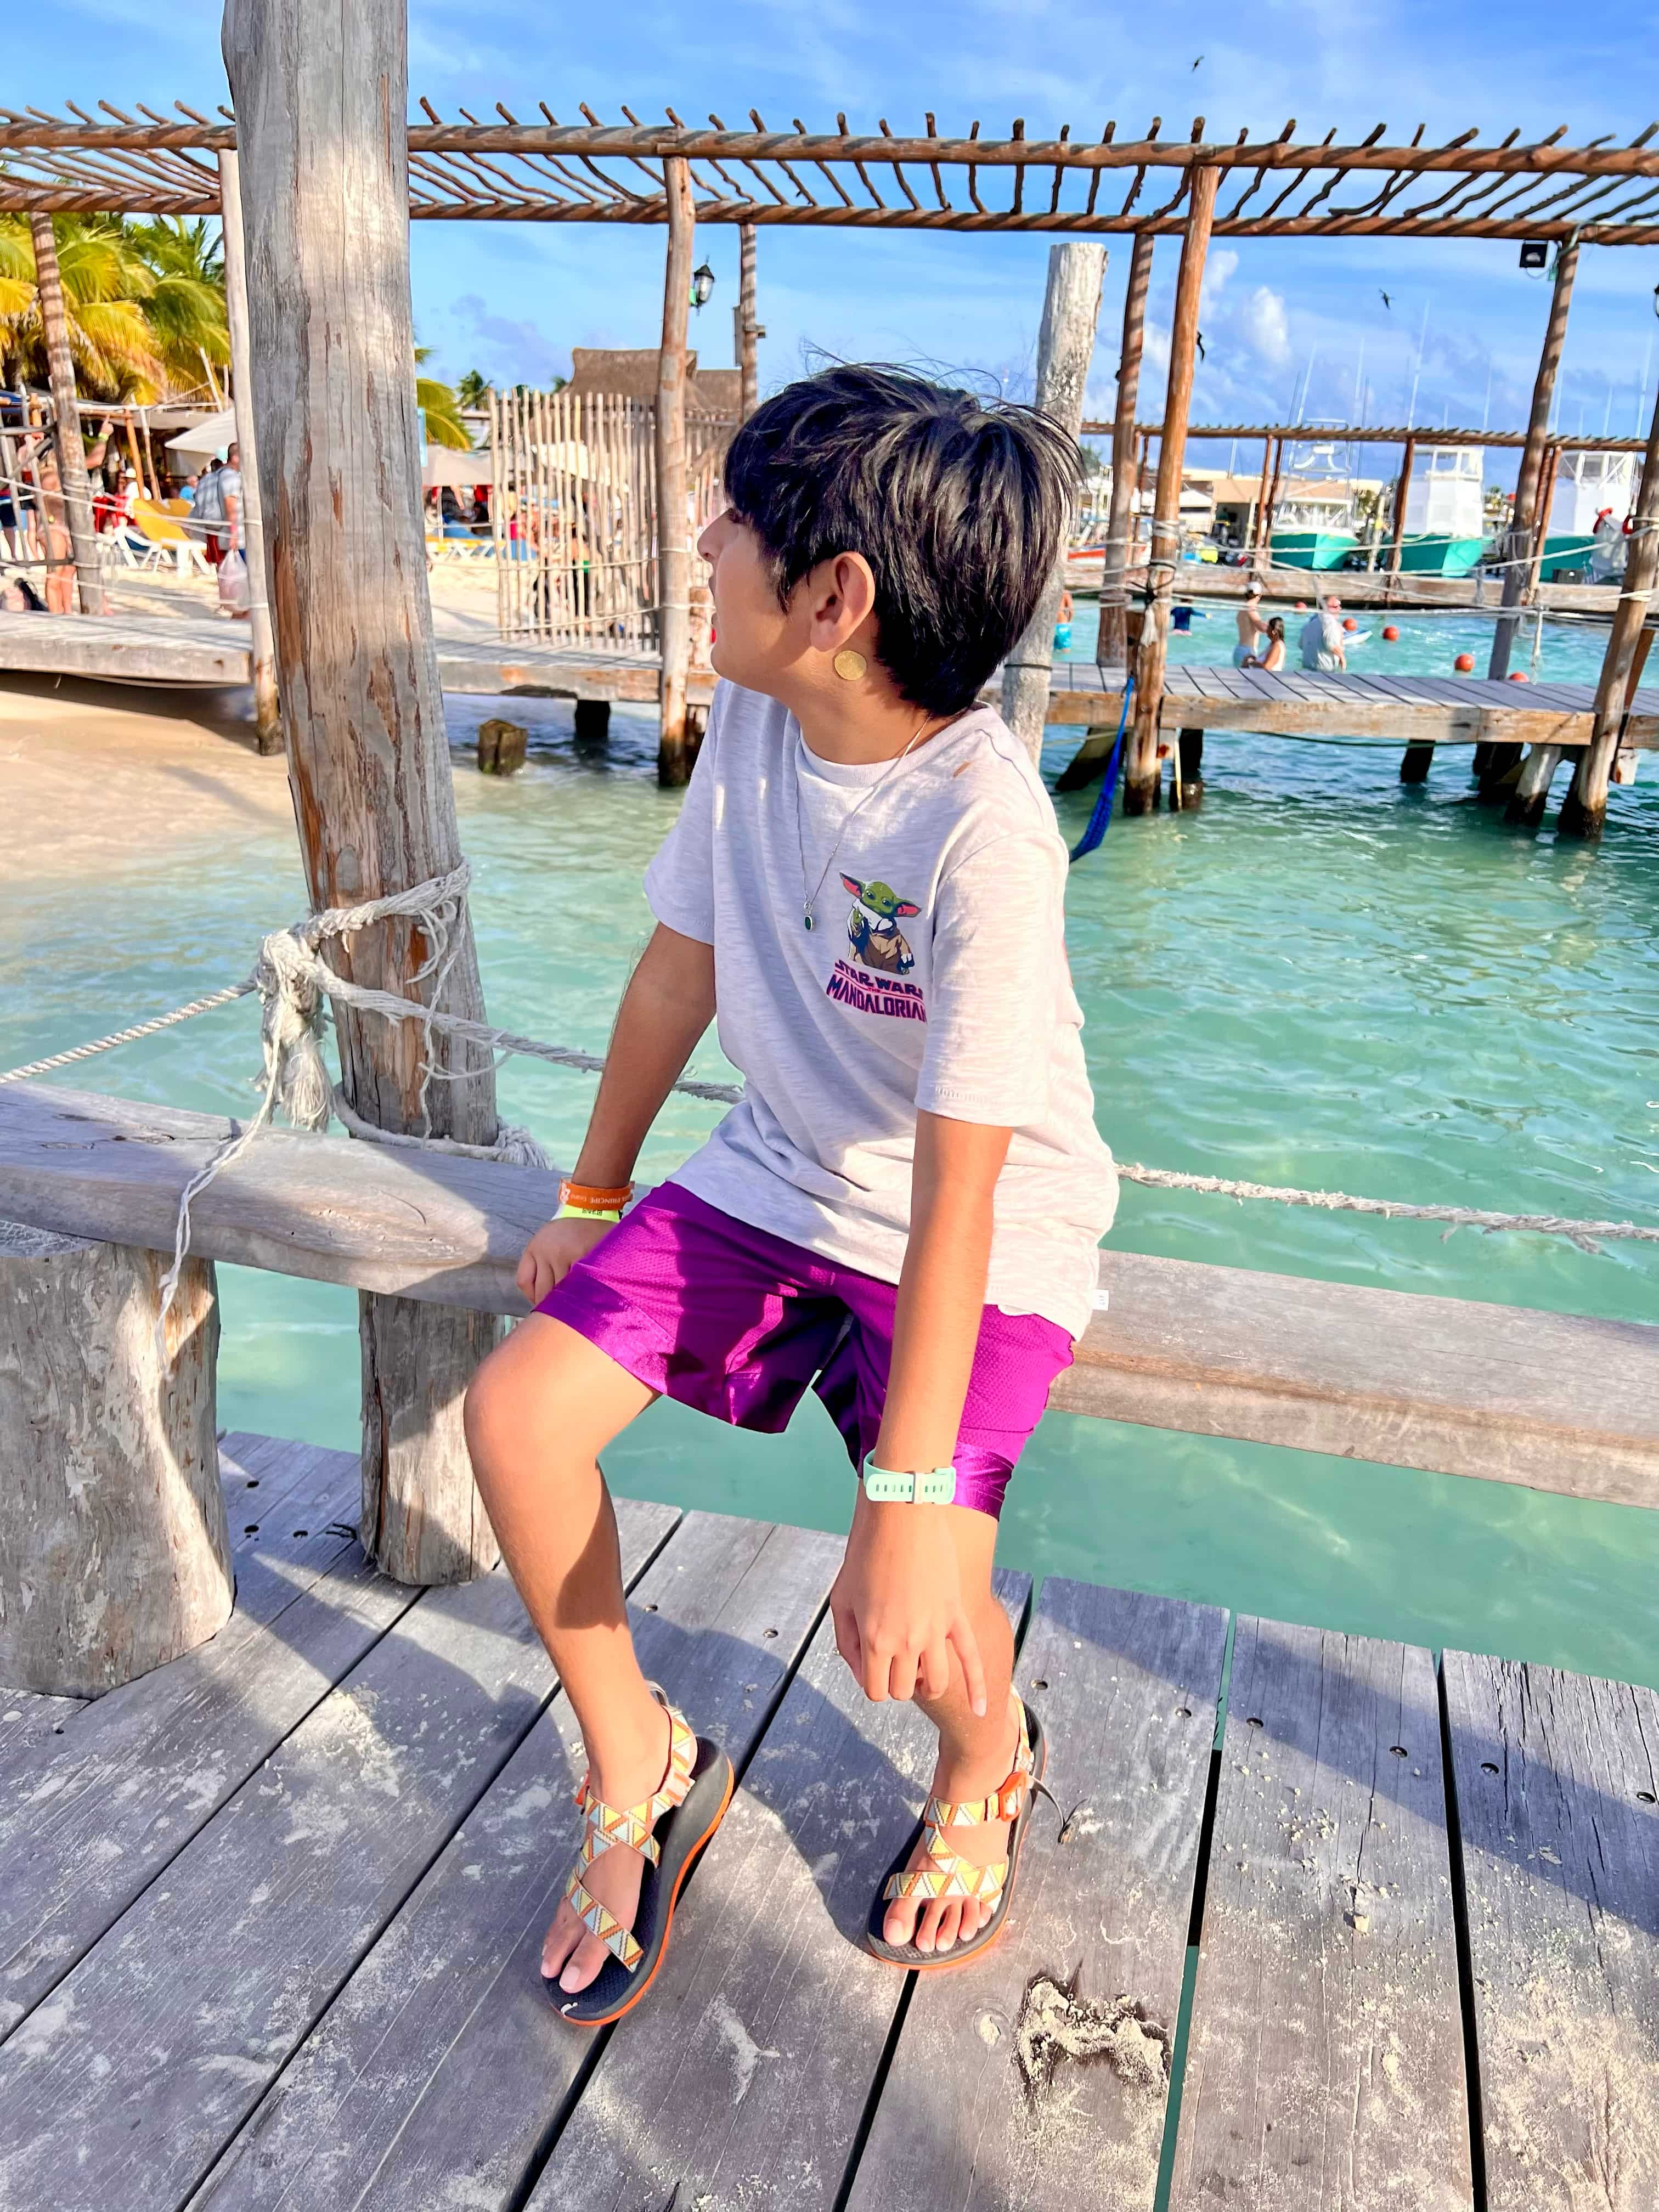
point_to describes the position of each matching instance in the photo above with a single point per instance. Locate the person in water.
(1063, 623)
(1273, 657)
(1324, 647)
(1251, 627)
(864, 892)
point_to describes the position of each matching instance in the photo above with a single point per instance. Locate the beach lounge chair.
(163, 536)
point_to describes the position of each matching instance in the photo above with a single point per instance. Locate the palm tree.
(473, 390)
(438, 403)
(105, 285)
(186, 306)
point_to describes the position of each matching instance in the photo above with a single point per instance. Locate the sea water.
(1321, 978)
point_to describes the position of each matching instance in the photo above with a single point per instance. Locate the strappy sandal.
(669, 1829)
(945, 1873)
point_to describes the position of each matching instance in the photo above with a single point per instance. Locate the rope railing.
(294, 981)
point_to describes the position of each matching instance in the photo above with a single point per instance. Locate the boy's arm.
(668, 1003)
(898, 1602)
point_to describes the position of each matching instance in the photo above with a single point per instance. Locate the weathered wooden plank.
(1556, 1777)
(1558, 1401)
(183, 2014)
(27, 1717)
(1325, 2058)
(433, 2075)
(981, 2108)
(88, 1817)
(1552, 1401)
(744, 2081)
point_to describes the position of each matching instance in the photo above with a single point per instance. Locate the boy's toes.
(583, 1964)
(927, 1927)
(950, 1925)
(561, 1940)
(900, 1924)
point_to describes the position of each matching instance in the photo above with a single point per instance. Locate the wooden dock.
(1458, 710)
(270, 1916)
(191, 652)
(1356, 588)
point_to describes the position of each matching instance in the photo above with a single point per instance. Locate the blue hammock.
(1103, 813)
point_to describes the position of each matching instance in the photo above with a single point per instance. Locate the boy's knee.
(487, 1409)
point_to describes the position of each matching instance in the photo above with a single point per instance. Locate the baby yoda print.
(872, 929)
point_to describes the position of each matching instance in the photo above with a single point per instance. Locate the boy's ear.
(905, 908)
(853, 884)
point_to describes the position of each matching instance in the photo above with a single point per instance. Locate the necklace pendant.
(806, 917)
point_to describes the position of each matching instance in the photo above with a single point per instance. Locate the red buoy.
(1301, 607)
(1348, 622)
(1464, 664)
(1517, 676)
(1390, 635)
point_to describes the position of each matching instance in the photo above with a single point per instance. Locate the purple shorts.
(737, 1322)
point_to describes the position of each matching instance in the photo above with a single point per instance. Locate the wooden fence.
(574, 516)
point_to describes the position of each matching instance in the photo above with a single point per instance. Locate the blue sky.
(511, 299)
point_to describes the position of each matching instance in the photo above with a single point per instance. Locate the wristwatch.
(935, 1486)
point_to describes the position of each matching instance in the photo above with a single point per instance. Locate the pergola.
(515, 169)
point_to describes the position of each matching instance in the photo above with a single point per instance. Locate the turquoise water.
(1320, 978)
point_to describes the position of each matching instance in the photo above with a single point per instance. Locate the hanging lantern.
(703, 285)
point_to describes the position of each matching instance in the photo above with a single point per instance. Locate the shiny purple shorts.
(737, 1322)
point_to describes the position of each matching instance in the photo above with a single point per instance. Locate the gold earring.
(850, 665)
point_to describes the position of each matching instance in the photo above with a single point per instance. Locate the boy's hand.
(553, 1251)
(897, 1605)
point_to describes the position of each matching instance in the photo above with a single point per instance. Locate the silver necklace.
(810, 899)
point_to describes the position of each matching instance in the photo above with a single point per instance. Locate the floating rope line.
(295, 982)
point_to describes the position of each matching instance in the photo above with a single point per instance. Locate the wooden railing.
(1557, 1402)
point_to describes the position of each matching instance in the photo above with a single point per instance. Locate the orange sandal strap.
(945, 1873)
(606, 1827)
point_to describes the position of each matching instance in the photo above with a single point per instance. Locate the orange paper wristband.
(590, 1200)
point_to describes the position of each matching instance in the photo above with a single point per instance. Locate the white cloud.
(1262, 325)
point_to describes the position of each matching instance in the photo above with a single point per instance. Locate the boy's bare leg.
(540, 1410)
(975, 1755)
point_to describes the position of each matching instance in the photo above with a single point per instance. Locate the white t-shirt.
(934, 977)
(1322, 639)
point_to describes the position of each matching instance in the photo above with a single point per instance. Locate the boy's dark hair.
(960, 505)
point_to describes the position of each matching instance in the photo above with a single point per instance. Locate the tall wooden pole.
(675, 750)
(1111, 648)
(1518, 546)
(319, 93)
(749, 330)
(71, 453)
(1402, 493)
(1066, 346)
(1585, 809)
(1258, 514)
(267, 725)
(1141, 763)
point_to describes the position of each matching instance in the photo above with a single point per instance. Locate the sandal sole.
(564, 1999)
(905, 1956)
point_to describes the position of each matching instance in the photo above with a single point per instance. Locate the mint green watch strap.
(935, 1486)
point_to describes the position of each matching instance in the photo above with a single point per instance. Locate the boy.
(865, 888)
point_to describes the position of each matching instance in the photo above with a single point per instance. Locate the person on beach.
(1324, 649)
(1251, 629)
(865, 891)
(1273, 658)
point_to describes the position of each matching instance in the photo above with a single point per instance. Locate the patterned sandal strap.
(600, 1921)
(947, 1873)
(1003, 1804)
(607, 1826)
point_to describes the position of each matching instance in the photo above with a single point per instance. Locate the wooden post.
(1518, 545)
(676, 751)
(1111, 650)
(1540, 529)
(319, 95)
(71, 453)
(267, 723)
(748, 331)
(1259, 515)
(1066, 346)
(1585, 809)
(1402, 493)
(114, 1555)
(1532, 785)
(144, 491)
(1140, 760)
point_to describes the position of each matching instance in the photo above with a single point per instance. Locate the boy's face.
(756, 642)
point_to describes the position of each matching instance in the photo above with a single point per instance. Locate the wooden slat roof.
(544, 171)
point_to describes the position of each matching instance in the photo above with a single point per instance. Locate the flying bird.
(1199, 337)
(1386, 300)
(1200, 59)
